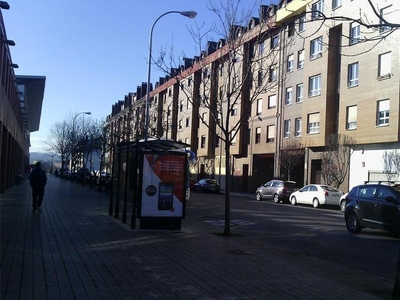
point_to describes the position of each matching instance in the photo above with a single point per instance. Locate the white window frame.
(273, 73)
(355, 33)
(317, 9)
(233, 137)
(259, 106)
(274, 41)
(314, 85)
(297, 127)
(383, 108)
(290, 63)
(300, 59)
(316, 48)
(257, 137)
(385, 65)
(336, 3)
(352, 77)
(299, 92)
(286, 128)
(203, 141)
(270, 133)
(289, 95)
(383, 28)
(188, 122)
(272, 101)
(351, 117)
(302, 23)
(313, 123)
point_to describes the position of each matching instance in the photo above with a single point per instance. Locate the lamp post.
(73, 132)
(189, 14)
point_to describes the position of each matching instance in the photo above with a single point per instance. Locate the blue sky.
(93, 53)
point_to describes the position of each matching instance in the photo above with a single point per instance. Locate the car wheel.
(293, 200)
(258, 197)
(276, 198)
(343, 205)
(315, 203)
(353, 223)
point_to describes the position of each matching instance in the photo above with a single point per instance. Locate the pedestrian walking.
(38, 180)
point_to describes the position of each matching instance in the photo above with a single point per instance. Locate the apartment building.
(312, 75)
(21, 100)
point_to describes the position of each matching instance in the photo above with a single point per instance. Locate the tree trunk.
(227, 229)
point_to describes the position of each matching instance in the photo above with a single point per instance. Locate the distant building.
(21, 100)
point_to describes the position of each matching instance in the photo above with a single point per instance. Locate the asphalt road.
(301, 231)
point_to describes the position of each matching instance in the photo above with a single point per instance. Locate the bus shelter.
(149, 183)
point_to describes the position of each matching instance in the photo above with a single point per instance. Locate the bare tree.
(292, 154)
(58, 141)
(388, 163)
(336, 159)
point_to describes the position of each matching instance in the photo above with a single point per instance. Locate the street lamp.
(189, 14)
(73, 132)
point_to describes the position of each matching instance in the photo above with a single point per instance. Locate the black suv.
(375, 206)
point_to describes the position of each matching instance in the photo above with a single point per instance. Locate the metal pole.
(189, 14)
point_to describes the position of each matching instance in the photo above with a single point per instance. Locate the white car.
(342, 202)
(316, 195)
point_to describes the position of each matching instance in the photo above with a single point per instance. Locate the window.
(169, 92)
(302, 23)
(189, 81)
(221, 70)
(204, 117)
(234, 111)
(297, 127)
(259, 106)
(203, 141)
(216, 141)
(352, 79)
(221, 92)
(290, 63)
(286, 127)
(314, 86)
(351, 117)
(300, 59)
(290, 29)
(299, 93)
(180, 124)
(316, 48)
(385, 14)
(235, 82)
(261, 47)
(272, 101)
(183, 86)
(354, 33)
(289, 93)
(270, 133)
(187, 141)
(336, 3)
(260, 78)
(313, 123)
(272, 73)
(258, 135)
(383, 112)
(181, 105)
(187, 122)
(274, 41)
(385, 65)
(189, 103)
(317, 10)
(233, 137)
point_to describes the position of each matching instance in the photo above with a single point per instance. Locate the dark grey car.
(374, 206)
(278, 190)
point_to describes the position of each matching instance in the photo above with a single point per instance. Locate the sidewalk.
(74, 250)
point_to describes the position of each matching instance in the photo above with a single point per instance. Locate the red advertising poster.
(163, 185)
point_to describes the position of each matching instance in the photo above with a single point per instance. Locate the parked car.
(342, 202)
(374, 206)
(278, 190)
(207, 185)
(316, 195)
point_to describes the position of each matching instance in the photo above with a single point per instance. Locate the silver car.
(278, 190)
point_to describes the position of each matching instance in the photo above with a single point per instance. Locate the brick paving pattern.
(74, 250)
